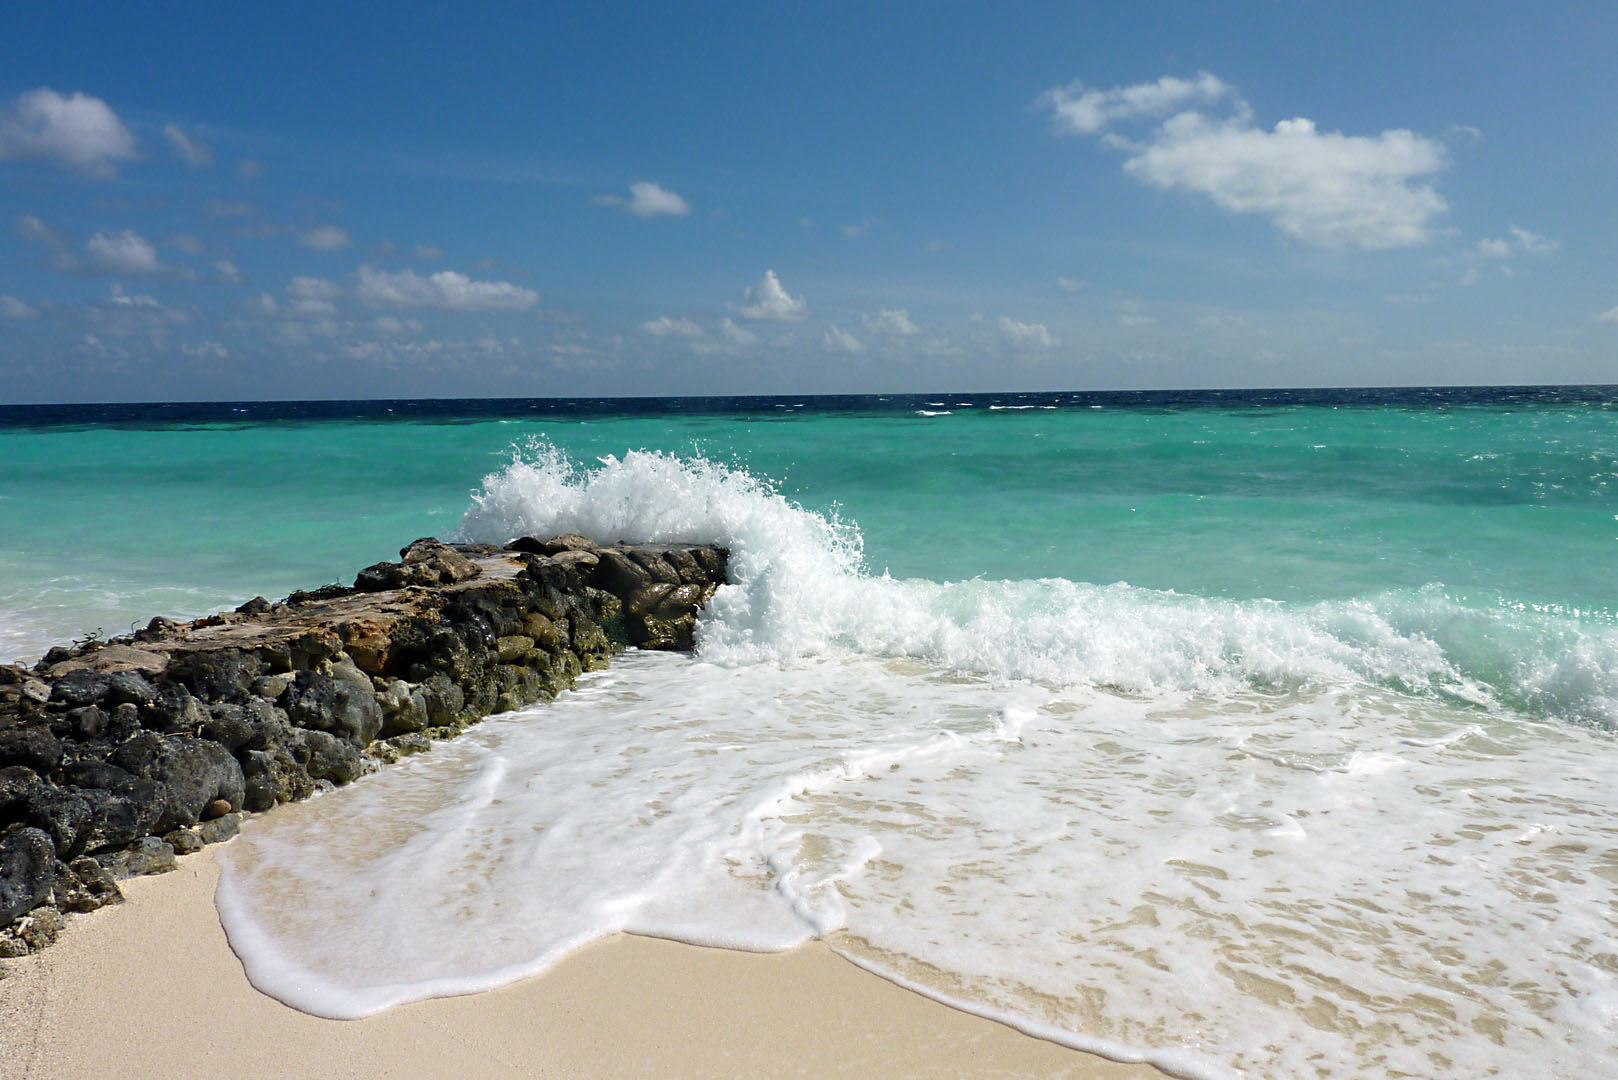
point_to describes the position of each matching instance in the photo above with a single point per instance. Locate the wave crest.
(800, 588)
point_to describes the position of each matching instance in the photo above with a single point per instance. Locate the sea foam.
(1225, 838)
(1280, 886)
(800, 589)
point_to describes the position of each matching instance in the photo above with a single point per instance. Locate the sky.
(474, 200)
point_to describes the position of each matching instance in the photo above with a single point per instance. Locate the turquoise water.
(1495, 506)
(1251, 735)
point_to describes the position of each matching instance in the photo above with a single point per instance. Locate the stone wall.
(116, 756)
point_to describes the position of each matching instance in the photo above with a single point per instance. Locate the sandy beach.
(151, 989)
(805, 540)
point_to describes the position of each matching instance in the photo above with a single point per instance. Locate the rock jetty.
(116, 756)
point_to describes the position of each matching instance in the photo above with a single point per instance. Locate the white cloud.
(1130, 314)
(439, 353)
(647, 200)
(839, 340)
(312, 296)
(1085, 112)
(35, 231)
(75, 130)
(769, 302)
(1323, 188)
(854, 232)
(123, 252)
(739, 335)
(1531, 242)
(325, 238)
(1027, 334)
(388, 325)
(890, 321)
(94, 346)
(446, 289)
(208, 350)
(429, 252)
(313, 288)
(1068, 284)
(667, 327)
(134, 315)
(650, 200)
(119, 298)
(227, 271)
(1518, 241)
(12, 308)
(194, 154)
(264, 304)
(1609, 316)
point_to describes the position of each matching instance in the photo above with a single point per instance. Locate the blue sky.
(511, 200)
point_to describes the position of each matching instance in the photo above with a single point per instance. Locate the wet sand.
(151, 989)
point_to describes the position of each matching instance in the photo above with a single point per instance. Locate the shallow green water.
(1351, 664)
(1492, 504)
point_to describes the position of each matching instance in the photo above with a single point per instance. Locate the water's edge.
(117, 755)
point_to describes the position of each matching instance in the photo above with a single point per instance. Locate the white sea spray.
(799, 589)
(1228, 838)
(1276, 884)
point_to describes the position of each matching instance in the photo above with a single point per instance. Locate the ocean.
(1247, 733)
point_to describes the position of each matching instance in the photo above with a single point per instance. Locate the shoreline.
(152, 986)
(118, 755)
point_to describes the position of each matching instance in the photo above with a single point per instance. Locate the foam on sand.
(1214, 835)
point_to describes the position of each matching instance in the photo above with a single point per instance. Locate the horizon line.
(880, 395)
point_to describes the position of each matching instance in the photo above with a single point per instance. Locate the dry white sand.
(150, 989)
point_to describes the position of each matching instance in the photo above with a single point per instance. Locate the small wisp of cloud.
(122, 252)
(647, 200)
(1517, 241)
(324, 238)
(768, 301)
(667, 327)
(446, 290)
(1080, 111)
(895, 321)
(836, 339)
(196, 155)
(1027, 335)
